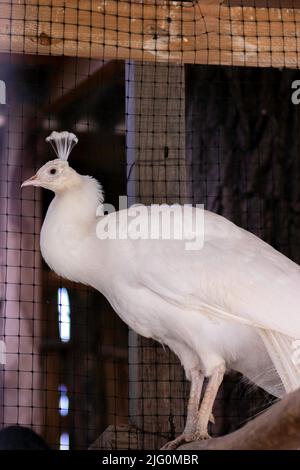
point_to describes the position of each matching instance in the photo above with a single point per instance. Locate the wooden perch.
(278, 428)
(203, 32)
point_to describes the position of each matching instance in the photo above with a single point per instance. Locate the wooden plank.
(204, 32)
(261, 3)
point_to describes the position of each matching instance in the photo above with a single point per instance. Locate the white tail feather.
(279, 346)
(280, 349)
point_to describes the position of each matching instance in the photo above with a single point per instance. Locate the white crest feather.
(62, 143)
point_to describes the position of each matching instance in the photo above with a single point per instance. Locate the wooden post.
(157, 173)
(3, 242)
(23, 397)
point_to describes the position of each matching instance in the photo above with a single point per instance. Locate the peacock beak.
(33, 181)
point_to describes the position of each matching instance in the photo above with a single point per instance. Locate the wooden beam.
(276, 429)
(110, 74)
(204, 32)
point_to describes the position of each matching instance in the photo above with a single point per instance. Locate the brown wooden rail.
(204, 31)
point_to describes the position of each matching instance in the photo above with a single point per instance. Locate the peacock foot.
(184, 439)
(201, 435)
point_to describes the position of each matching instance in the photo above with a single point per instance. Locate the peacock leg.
(197, 379)
(207, 403)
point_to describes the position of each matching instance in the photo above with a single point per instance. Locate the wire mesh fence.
(172, 102)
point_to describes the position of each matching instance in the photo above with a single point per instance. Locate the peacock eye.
(52, 171)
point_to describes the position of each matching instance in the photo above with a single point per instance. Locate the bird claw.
(201, 436)
(184, 439)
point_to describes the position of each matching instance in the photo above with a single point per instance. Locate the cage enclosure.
(190, 102)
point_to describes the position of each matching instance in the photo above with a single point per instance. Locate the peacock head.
(57, 175)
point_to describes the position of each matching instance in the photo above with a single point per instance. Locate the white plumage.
(233, 304)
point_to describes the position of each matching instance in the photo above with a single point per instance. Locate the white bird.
(233, 304)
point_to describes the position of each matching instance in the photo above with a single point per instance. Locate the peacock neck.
(79, 206)
(69, 229)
